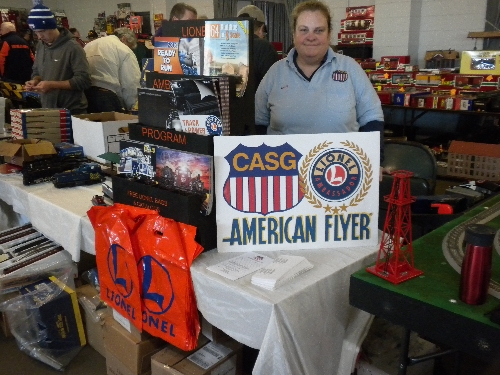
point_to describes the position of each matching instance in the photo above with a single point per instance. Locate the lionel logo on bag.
(118, 285)
(118, 267)
(157, 289)
(263, 179)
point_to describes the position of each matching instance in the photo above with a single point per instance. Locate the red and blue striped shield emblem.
(263, 179)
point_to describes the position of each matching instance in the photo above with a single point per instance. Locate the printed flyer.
(293, 192)
(226, 50)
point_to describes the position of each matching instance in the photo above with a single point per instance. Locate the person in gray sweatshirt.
(60, 71)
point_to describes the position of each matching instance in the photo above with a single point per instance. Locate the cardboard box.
(170, 355)
(115, 367)
(445, 102)
(94, 330)
(480, 62)
(127, 324)
(463, 103)
(355, 37)
(5, 325)
(18, 151)
(212, 359)
(99, 133)
(410, 95)
(212, 332)
(133, 354)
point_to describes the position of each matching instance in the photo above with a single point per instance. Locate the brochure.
(281, 270)
(240, 266)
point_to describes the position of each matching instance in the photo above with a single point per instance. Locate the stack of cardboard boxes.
(53, 125)
(130, 352)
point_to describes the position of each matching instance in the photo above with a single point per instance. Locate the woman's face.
(311, 36)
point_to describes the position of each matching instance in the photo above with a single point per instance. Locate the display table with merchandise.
(59, 214)
(305, 327)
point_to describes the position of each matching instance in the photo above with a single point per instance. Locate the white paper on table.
(282, 269)
(241, 265)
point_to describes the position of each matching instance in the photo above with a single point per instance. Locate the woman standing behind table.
(315, 90)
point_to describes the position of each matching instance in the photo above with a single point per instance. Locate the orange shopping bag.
(116, 261)
(167, 249)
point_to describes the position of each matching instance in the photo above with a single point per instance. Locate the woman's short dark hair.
(312, 6)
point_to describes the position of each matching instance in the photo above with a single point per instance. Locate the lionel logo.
(263, 179)
(118, 268)
(157, 288)
(335, 174)
(213, 125)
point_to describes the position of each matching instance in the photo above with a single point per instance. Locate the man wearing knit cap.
(61, 71)
(264, 54)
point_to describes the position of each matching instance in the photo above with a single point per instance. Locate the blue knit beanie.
(41, 18)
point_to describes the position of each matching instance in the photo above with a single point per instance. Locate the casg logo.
(157, 289)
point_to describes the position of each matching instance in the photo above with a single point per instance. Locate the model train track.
(454, 250)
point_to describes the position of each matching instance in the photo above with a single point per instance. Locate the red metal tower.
(395, 256)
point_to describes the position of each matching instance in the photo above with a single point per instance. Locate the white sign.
(292, 192)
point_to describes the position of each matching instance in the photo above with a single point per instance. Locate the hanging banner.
(292, 192)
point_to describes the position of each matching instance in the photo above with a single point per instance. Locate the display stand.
(181, 60)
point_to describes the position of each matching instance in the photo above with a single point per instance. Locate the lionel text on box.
(174, 205)
(99, 133)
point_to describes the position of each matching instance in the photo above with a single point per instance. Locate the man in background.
(179, 12)
(60, 71)
(78, 37)
(264, 54)
(114, 72)
(16, 58)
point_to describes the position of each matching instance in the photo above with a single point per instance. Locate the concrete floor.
(15, 362)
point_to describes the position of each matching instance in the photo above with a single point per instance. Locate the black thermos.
(476, 266)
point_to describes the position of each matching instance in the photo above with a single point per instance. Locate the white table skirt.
(305, 327)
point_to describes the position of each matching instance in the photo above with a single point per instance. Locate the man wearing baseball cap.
(60, 71)
(264, 54)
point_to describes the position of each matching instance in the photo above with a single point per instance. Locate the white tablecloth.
(305, 327)
(57, 213)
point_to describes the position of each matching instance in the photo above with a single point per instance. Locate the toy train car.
(42, 170)
(85, 174)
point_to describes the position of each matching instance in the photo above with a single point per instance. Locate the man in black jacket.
(16, 58)
(264, 54)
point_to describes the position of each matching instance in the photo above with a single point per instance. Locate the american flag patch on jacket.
(339, 75)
